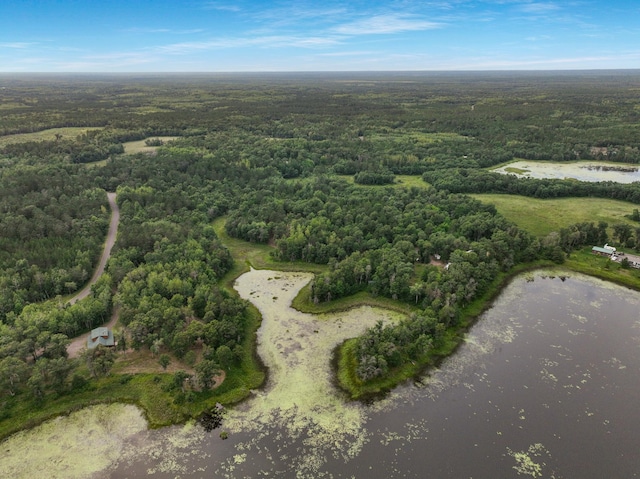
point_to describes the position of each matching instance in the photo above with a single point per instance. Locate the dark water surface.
(546, 385)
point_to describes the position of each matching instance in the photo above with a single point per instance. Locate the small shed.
(103, 336)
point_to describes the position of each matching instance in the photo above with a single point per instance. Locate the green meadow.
(541, 217)
(140, 146)
(44, 135)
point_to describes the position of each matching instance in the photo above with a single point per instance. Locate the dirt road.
(79, 342)
(111, 239)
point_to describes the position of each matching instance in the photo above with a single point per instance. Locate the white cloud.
(539, 8)
(347, 53)
(441, 5)
(118, 57)
(259, 41)
(313, 41)
(603, 61)
(115, 61)
(385, 24)
(225, 7)
(296, 15)
(163, 30)
(538, 38)
(18, 45)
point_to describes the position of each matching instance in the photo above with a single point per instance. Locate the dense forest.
(307, 164)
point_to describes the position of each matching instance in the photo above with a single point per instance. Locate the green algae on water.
(81, 444)
(296, 347)
(526, 464)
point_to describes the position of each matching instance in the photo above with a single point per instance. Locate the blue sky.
(253, 35)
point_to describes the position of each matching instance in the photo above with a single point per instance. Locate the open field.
(139, 146)
(407, 181)
(541, 217)
(410, 181)
(44, 135)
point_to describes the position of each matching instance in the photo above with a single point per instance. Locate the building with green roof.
(100, 336)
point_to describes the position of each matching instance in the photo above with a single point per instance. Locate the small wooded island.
(361, 179)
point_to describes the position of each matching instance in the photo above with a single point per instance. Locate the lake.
(544, 385)
(590, 171)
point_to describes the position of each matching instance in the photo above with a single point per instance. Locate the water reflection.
(545, 385)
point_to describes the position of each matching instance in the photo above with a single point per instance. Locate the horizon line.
(243, 72)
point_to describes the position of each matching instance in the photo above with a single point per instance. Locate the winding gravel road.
(106, 253)
(79, 342)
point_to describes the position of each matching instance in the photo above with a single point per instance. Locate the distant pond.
(590, 171)
(545, 385)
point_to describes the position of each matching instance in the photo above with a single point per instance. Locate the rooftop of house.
(100, 336)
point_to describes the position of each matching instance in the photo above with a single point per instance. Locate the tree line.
(465, 180)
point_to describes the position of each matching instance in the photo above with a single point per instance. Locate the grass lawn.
(48, 135)
(601, 267)
(541, 217)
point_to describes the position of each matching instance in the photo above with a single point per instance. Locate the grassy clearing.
(583, 261)
(44, 135)
(541, 217)
(406, 181)
(409, 181)
(303, 303)
(256, 255)
(133, 147)
(244, 253)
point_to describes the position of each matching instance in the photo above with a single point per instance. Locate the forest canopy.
(307, 164)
